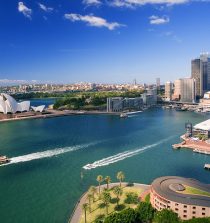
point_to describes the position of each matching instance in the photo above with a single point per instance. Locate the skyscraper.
(177, 90)
(200, 71)
(188, 89)
(158, 83)
(168, 91)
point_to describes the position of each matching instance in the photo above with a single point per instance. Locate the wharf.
(198, 146)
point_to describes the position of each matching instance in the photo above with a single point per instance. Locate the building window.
(176, 204)
(203, 213)
(194, 212)
(185, 206)
(176, 209)
(203, 209)
(194, 207)
(184, 216)
(185, 211)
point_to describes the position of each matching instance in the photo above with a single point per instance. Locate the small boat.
(4, 159)
(133, 113)
(89, 166)
(123, 115)
(180, 109)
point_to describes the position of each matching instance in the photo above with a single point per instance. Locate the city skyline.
(101, 41)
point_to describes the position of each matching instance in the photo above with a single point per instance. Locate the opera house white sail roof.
(9, 105)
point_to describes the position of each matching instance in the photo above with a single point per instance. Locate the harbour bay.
(43, 181)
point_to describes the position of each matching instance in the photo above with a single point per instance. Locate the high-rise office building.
(188, 90)
(168, 91)
(200, 71)
(177, 90)
(158, 83)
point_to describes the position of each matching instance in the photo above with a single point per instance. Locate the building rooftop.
(203, 125)
(171, 188)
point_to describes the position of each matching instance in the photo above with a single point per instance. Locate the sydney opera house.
(8, 105)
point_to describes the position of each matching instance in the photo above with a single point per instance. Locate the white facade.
(177, 89)
(38, 108)
(188, 90)
(9, 105)
(168, 91)
(207, 95)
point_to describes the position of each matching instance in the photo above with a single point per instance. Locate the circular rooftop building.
(189, 198)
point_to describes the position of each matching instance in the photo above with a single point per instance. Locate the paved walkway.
(75, 217)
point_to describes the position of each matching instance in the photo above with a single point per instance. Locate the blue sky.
(101, 41)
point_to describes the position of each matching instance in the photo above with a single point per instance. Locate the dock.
(207, 166)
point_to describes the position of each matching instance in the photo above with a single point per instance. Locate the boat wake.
(47, 153)
(121, 156)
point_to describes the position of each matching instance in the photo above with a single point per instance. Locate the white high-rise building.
(177, 90)
(168, 91)
(188, 90)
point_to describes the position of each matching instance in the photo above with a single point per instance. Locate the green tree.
(120, 177)
(93, 190)
(145, 212)
(85, 207)
(126, 216)
(89, 196)
(100, 180)
(131, 198)
(106, 197)
(107, 179)
(166, 216)
(118, 192)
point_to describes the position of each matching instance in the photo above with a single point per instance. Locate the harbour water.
(43, 181)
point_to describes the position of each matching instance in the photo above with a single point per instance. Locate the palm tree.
(92, 190)
(108, 181)
(120, 177)
(100, 180)
(118, 192)
(106, 199)
(85, 207)
(89, 196)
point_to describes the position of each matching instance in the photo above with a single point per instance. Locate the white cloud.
(92, 2)
(92, 20)
(45, 8)
(24, 9)
(132, 3)
(156, 20)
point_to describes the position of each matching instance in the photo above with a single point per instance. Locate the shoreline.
(77, 211)
(56, 113)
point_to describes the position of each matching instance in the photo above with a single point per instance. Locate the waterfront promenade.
(51, 113)
(77, 213)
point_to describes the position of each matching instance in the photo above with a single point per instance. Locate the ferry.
(4, 159)
(133, 113)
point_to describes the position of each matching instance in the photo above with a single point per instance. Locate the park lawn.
(98, 208)
(194, 191)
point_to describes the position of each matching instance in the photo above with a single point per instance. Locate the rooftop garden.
(194, 191)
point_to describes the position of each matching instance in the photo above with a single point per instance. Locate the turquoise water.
(43, 181)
